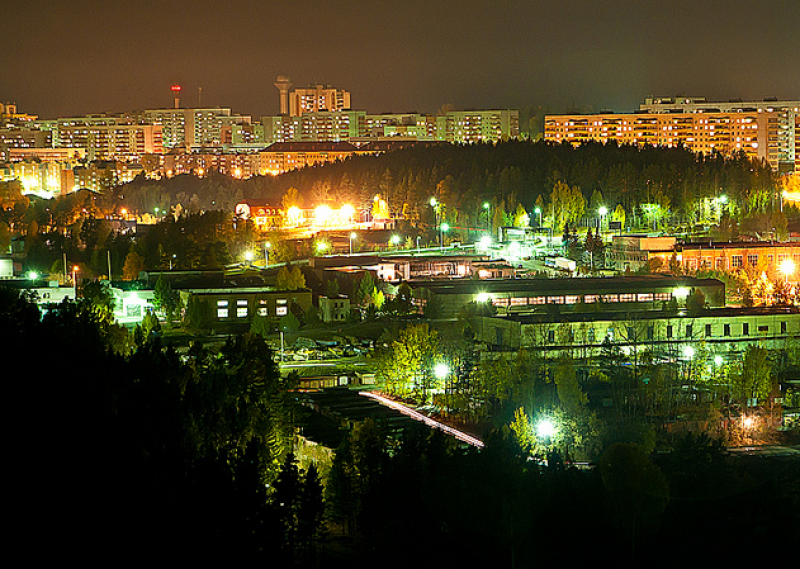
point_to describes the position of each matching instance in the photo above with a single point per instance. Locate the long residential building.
(763, 130)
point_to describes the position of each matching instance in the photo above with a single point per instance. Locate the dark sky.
(72, 57)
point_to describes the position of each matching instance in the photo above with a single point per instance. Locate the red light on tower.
(177, 90)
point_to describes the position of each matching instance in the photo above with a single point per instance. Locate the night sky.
(68, 58)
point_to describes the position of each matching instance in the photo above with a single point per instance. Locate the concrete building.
(676, 336)
(282, 157)
(468, 127)
(317, 98)
(725, 256)
(632, 252)
(596, 295)
(762, 130)
(195, 128)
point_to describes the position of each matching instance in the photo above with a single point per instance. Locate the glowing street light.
(488, 207)
(688, 352)
(395, 240)
(443, 228)
(602, 211)
(267, 246)
(545, 428)
(441, 371)
(483, 297)
(787, 268)
(322, 246)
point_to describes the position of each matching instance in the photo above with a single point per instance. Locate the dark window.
(726, 330)
(688, 330)
(669, 331)
(783, 327)
(708, 330)
(551, 336)
(745, 329)
(651, 332)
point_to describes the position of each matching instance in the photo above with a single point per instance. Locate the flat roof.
(563, 285)
(640, 315)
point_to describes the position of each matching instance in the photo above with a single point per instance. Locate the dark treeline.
(124, 450)
(127, 451)
(514, 172)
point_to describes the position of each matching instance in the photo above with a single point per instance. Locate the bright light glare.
(545, 428)
(483, 297)
(787, 267)
(717, 361)
(688, 352)
(602, 211)
(441, 371)
(681, 292)
(486, 242)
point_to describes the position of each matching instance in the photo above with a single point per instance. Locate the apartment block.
(761, 130)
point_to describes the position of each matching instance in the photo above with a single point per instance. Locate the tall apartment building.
(318, 98)
(468, 127)
(334, 126)
(104, 137)
(761, 130)
(195, 128)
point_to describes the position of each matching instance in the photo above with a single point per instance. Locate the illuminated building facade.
(469, 127)
(765, 130)
(100, 175)
(195, 128)
(44, 178)
(781, 259)
(285, 156)
(318, 98)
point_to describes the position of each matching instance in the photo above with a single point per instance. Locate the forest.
(126, 449)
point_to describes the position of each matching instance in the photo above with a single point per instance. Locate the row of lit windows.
(242, 308)
(649, 333)
(586, 298)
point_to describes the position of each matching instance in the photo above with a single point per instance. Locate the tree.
(134, 264)
(570, 395)
(521, 217)
(619, 215)
(753, 380)
(638, 490)
(405, 368)
(567, 204)
(296, 279)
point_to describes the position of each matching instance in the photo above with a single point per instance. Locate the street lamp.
(352, 236)
(443, 228)
(545, 428)
(602, 211)
(538, 211)
(395, 240)
(267, 246)
(488, 207)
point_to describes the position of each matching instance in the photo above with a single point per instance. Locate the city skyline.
(122, 57)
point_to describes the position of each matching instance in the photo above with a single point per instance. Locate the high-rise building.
(317, 98)
(762, 130)
(195, 128)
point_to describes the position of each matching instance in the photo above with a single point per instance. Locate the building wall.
(763, 133)
(731, 256)
(717, 331)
